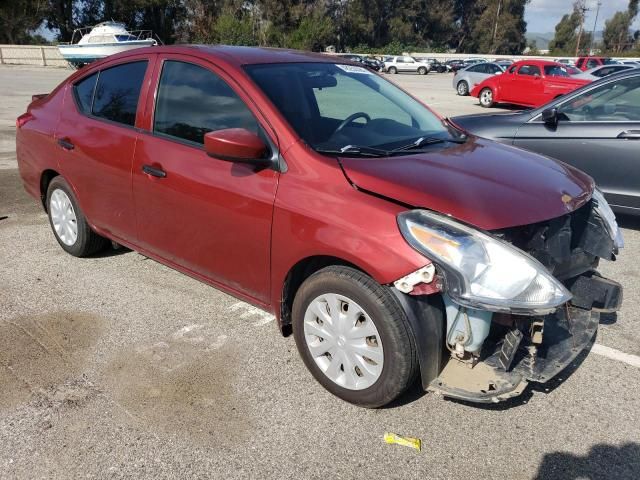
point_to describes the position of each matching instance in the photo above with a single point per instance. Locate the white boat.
(93, 43)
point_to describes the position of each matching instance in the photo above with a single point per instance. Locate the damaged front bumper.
(566, 334)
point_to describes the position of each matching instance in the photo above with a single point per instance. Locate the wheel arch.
(45, 179)
(294, 278)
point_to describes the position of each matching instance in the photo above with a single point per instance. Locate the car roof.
(238, 55)
(536, 62)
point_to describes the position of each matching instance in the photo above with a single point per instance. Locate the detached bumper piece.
(507, 365)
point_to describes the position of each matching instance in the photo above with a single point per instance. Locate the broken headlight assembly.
(481, 271)
(604, 210)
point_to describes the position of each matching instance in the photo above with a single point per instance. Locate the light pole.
(595, 23)
(583, 10)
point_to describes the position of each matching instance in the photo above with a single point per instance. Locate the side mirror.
(236, 145)
(550, 117)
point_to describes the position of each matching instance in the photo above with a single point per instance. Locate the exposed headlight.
(481, 271)
(604, 210)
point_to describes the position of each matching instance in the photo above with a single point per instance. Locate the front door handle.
(66, 143)
(630, 134)
(153, 171)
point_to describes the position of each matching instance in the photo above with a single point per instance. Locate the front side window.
(117, 92)
(83, 91)
(592, 63)
(193, 101)
(532, 70)
(617, 101)
(334, 106)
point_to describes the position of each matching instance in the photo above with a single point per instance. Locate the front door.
(598, 132)
(97, 138)
(209, 216)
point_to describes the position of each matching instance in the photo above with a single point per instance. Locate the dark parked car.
(368, 62)
(455, 65)
(391, 244)
(595, 128)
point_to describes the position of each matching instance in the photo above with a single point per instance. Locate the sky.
(543, 15)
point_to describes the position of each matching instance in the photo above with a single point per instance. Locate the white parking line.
(614, 354)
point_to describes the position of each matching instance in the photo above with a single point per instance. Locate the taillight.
(22, 119)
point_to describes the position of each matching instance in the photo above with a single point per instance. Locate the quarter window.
(193, 101)
(83, 91)
(117, 92)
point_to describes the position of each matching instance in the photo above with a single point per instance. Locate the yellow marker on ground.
(404, 441)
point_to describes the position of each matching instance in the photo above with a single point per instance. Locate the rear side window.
(117, 92)
(529, 70)
(193, 101)
(83, 91)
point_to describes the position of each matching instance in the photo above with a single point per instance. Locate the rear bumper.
(567, 333)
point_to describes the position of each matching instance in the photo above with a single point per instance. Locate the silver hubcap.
(461, 88)
(343, 341)
(486, 97)
(63, 217)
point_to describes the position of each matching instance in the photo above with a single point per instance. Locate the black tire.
(392, 70)
(87, 242)
(422, 71)
(399, 353)
(462, 88)
(486, 98)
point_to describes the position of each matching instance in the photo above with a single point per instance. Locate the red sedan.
(383, 237)
(530, 83)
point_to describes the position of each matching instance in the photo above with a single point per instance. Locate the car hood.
(480, 182)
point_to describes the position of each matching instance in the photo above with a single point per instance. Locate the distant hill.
(543, 39)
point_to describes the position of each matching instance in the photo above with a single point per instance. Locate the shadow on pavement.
(601, 462)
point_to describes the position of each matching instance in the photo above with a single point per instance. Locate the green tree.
(18, 19)
(565, 39)
(616, 36)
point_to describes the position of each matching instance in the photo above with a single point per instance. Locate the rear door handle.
(630, 134)
(66, 143)
(154, 172)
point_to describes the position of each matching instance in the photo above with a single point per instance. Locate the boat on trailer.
(93, 43)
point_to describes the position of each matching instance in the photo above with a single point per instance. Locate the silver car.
(602, 71)
(465, 80)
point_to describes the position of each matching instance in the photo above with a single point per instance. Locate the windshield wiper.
(422, 141)
(357, 150)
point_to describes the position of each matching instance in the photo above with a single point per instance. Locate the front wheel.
(422, 71)
(68, 223)
(486, 98)
(392, 70)
(354, 337)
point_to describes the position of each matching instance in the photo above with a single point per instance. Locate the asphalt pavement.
(116, 366)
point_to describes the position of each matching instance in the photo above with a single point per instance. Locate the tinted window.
(477, 69)
(592, 63)
(193, 101)
(84, 92)
(117, 92)
(529, 70)
(513, 69)
(617, 101)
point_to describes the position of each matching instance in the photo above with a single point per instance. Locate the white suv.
(405, 64)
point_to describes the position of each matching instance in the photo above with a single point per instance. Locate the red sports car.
(530, 83)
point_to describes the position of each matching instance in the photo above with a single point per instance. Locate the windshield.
(333, 107)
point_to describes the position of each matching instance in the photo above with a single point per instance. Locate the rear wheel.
(353, 336)
(422, 71)
(463, 88)
(486, 98)
(392, 70)
(68, 223)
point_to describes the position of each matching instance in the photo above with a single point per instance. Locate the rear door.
(598, 132)
(209, 216)
(97, 136)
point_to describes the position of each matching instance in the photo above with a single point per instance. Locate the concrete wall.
(46, 56)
